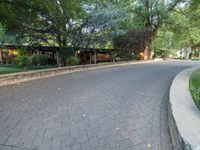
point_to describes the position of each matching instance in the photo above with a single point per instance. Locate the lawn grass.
(6, 69)
(194, 86)
(39, 67)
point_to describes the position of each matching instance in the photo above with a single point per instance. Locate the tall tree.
(48, 21)
(186, 27)
(151, 15)
(5, 38)
(103, 22)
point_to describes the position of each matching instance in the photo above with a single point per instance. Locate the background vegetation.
(129, 26)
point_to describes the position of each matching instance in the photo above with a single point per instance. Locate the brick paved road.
(120, 108)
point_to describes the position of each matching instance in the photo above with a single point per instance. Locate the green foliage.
(86, 23)
(134, 40)
(195, 4)
(194, 86)
(73, 60)
(103, 22)
(6, 70)
(64, 53)
(47, 21)
(129, 56)
(163, 43)
(21, 61)
(196, 58)
(11, 68)
(21, 58)
(40, 59)
(148, 16)
(186, 27)
(4, 37)
(21, 52)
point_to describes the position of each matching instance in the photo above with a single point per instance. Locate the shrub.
(73, 60)
(163, 54)
(133, 57)
(21, 58)
(21, 61)
(196, 58)
(40, 59)
(9, 60)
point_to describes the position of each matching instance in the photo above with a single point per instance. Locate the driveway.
(118, 108)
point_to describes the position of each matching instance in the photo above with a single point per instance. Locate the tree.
(164, 43)
(51, 22)
(85, 23)
(180, 32)
(185, 27)
(103, 22)
(134, 41)
(21, 58)
(4, 38)
(65, 23)
(151, 15)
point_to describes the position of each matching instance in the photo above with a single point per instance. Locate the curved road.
(115, 108)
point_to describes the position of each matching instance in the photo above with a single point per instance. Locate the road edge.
(183, 115)
(14, 78)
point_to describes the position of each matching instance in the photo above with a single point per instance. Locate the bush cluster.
(73, 60)
(21, 58)
(40, 60)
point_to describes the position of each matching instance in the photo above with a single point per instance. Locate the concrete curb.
(33, 75)
(183, 115)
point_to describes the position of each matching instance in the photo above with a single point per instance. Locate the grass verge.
(194, 86)
(6, 69)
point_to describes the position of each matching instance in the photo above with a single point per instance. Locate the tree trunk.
(188, 51)
(1, 56)
(58, 59)
(90, 58)
(199, 52)
(95, 57)
(146, 53)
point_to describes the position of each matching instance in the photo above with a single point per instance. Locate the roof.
(56, 48)
(41, 48)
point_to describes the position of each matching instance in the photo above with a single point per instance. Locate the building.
(10, 51)
(86, 55)
(93, 56)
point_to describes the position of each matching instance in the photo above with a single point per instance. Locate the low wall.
(33, 75)
(183, 115)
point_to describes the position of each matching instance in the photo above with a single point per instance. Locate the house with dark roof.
(86, 55)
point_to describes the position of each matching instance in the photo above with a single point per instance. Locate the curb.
(183, 115)
(39, 74)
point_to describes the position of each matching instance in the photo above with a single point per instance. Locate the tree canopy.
(128, 24)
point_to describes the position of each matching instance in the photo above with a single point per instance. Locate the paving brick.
(114, 108)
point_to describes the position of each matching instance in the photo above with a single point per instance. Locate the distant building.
(86, 56)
